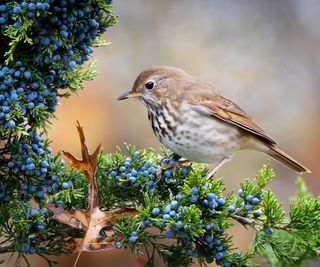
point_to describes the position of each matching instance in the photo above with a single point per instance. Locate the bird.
(193, 120)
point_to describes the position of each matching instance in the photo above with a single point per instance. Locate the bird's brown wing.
(213, 104)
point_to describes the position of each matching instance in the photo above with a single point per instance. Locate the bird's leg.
(217, 167)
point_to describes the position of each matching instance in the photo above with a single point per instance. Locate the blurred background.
(263, 55)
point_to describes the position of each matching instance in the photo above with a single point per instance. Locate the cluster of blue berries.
(62, 34)
(63, 31)
(210, 244)
(133, 240)
(34, 162)
(249, 203)
(138, 173)
(212, 202)
(127, 174)
(4, 194)
(23, 98)
(35, 220)
(213, 238)
(133, 237)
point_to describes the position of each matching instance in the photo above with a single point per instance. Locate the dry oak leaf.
(92, 220)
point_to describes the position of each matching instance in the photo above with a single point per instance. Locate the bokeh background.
(264, 55)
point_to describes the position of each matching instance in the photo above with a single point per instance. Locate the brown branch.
(252, 222)
(6, 249)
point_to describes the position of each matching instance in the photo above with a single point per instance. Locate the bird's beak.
(128, 94)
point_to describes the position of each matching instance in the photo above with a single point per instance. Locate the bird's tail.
(285, 159)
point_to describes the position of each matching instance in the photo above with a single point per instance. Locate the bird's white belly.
(203, 139)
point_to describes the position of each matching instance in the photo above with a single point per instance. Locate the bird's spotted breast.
(217, 139)
(161, 122)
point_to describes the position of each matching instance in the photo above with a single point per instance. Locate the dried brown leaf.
(65, 217)
(93, 219)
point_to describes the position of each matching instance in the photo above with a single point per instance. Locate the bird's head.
(156, 84)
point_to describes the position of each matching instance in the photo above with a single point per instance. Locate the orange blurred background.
(264, 55)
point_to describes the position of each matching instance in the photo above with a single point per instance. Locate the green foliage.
(272, 209)
(17, 36)
(78, 76)
(282, 240)
(176, 203)
(196, 230)
(296, 239)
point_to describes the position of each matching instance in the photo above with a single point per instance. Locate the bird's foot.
(174, 165)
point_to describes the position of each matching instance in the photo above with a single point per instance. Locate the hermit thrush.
(195, 121)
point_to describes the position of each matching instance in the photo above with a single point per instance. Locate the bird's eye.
(149, 85)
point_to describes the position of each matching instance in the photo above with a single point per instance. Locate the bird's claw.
(175, 165)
